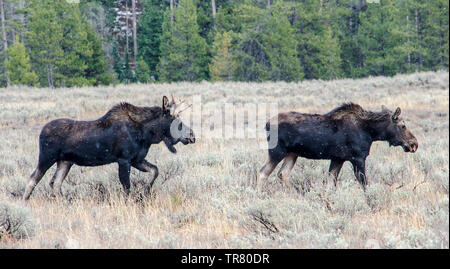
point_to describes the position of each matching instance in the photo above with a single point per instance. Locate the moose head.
(176, 130)
(397, 133)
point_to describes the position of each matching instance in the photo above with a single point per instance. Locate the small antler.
(179, 107)
(179, 112)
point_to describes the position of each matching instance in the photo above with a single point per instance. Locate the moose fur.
(123, 135)
(344, 134)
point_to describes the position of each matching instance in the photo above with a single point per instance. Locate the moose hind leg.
(266, 170)
(275, 156)
(286, 168)
(34, 179)
(46, 160)
(62, 169)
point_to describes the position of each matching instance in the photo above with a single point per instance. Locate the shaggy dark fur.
(123, 135)
(344, 134)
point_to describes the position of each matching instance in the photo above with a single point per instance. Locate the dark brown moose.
(123, 135)
(344, 134)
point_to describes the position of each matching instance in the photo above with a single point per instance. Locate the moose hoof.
(282, 177)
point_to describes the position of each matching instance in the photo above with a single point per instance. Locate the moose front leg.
(124, 176)
(146, 166)
(359, 168)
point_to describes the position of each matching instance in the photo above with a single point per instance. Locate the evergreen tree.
(129, 76)
(2, 74)
(72, 44)
(281, 47)
(417, 10)
(102, 15)
(44, 38)
(3, 82)
(142, 71)
(404, 26)
(18, 66)
(330, 59)
(97, 65)
(318, 49)
(242, 17)
(77, 49)
(118, 63)
(205, 20)
(150, 31)
(379, 40)
(343, 16)
(61, 40)
(183, 50)
(433, 36)
(166, 65)
(252, 59)
(442, 9)
(223, 64)
(267, 49)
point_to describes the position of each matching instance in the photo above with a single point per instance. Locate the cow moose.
(344, 134)
(123, 135)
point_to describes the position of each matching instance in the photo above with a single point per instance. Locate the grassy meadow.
(205, 196)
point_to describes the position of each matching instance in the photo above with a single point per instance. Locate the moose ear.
(165, 103)
(396, 114)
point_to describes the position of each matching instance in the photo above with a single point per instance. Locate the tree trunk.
(135, 48)
(22, 20)
(171, 11)
(126, 28)
(213, 7)
(441, 38)
(268, 3)
(419, 39)
(407, 34)
(12, 15)
(5, 40)
(350, 24)
(50, 76)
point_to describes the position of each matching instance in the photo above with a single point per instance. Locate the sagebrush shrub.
(15, 221)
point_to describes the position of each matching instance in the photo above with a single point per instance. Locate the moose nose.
(413, 146)
(192, 138)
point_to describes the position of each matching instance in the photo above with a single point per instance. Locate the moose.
(123, 135)
(344, 134)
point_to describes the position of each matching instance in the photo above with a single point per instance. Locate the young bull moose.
(343, 134)
(123, 135)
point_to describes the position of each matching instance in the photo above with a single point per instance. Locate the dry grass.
(204, 197)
